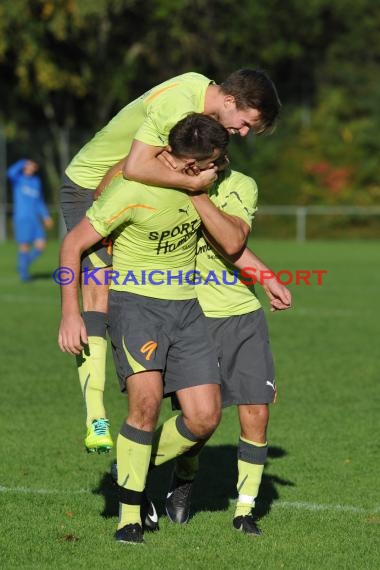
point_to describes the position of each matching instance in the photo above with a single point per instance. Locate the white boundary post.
(301, 214)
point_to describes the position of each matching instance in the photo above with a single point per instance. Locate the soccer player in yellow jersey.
(239, 331)
(157, 327)
(246, 100)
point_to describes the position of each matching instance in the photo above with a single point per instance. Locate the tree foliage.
(69, 65)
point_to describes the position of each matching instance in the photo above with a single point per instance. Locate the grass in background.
(319, 499)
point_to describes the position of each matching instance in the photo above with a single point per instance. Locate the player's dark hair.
(253, 88)
(198, 136)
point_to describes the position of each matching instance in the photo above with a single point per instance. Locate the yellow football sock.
(251, 460)
(91, 371)
(170, 440)
(91, 364)
(187, 465)
(133, 454)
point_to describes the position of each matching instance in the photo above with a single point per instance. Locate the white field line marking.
(31, 491)
(283, 504)
(318, 507)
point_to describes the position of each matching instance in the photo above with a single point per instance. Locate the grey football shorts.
(75, 201)
(159, 334)
(245, 358)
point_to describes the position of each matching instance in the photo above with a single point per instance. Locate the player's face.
(238, 121)
(196, 164)
(30, 168)
(222, 162)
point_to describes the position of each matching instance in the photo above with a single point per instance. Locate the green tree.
(69, 65)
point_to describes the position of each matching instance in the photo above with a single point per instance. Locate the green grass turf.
(319, 499)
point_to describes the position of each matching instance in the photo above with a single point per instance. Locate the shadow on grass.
(214, 487)
(41, 276)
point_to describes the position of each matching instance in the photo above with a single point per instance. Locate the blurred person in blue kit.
(30, 214)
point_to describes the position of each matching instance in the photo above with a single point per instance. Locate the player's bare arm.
(165, 157)
(142, 165)
(72, 334)
(279, 296)
(228, 233)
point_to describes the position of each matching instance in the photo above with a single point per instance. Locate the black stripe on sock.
(129, 497)
(251, 453)
(136, 435)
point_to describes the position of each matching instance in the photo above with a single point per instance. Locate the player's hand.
(279, 296)
(72, 334)
(48, 223)
(202, 181)
(192, 169)
(275, 394)
(167, 159)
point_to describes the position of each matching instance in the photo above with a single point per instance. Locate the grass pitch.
(319, 500)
